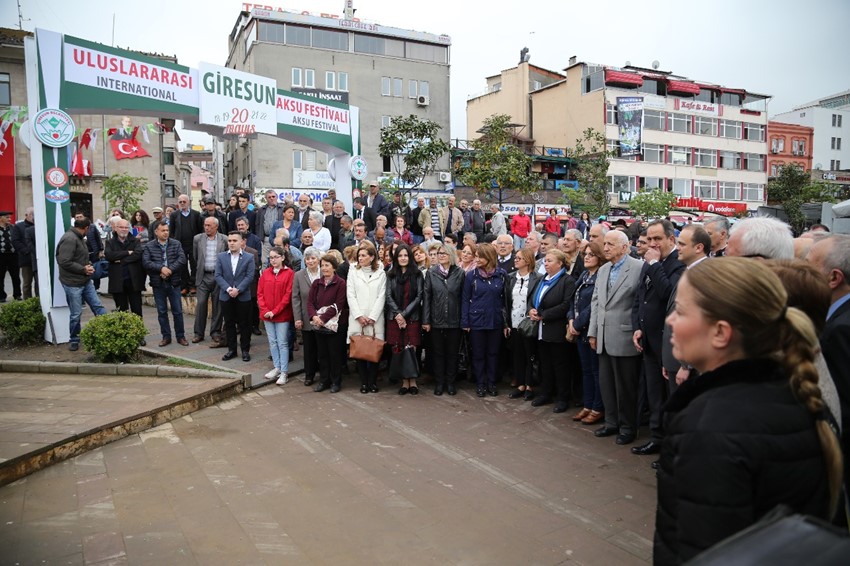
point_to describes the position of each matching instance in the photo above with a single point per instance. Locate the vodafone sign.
(717, 207)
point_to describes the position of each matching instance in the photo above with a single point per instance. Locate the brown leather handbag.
(365, 347)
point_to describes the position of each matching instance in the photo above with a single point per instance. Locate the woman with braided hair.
(750, 432)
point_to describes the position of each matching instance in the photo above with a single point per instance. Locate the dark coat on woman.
(553, 307)
(580, 308)
(441, 303)
(119, 257)
(483, 304)
(737, 444)
(395, 296)
(533, 278)
(322, 295)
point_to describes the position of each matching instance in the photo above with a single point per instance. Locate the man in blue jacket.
(234, 272)
(163, 259)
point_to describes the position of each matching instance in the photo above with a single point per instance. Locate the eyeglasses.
(274, 257)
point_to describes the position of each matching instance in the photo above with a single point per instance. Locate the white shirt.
(322, 239)
(234, 260)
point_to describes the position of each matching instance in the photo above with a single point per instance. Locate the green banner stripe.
(77, 97)
(340, 141)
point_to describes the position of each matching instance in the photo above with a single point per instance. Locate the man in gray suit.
(206, 248)
(610, 334)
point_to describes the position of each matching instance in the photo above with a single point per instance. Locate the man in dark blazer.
(206, 248)
(610, 334)
(333, 222)
(505, 253)
(234, 273)
(658, 278)
(367, 215)
(376, 201)
(305, 206)
(184, 224)
(163, 259)
(126, 275)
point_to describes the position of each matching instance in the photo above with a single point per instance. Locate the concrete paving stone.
(104, 546)
(585, 549)
(164, 544)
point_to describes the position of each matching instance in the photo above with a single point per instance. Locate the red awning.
(682, 87)
(622, 78)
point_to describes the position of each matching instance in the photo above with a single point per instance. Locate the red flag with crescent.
(127, 149)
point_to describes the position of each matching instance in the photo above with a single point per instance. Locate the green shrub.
(22, 322)
(113, 337)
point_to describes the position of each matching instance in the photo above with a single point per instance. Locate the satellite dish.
(656, 64)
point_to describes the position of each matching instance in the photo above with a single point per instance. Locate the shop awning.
(622, 78)
(682, 87)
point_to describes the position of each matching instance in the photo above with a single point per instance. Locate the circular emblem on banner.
(53, 127)
(56, 177)
(57, 195)
(357, 166)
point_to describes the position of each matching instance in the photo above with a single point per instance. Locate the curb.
(129, 370)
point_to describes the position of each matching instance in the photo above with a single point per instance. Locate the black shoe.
(257, 332)
(229, 355)
(438, 389)
(542, 400)
(605, 431)
(246, 357)
(560, 408)
(624, 438)
(655, 464)
(308, 381)
(321, 387)
(74, 346)
(143, 343)
(530, 395)
(335, 388)
(413, 390)
(364, 388)
(647, 449)
(403, 391)
(481, 392)
(451, 390)
(492, 391)
(517, 394)
(373, 389)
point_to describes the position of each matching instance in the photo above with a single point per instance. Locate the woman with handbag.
(483, 316)
(579, 321)
(366, 291)
(441, 318)
(274, 297)
(404, 303)
(325, 306)
(549, 304)
(304, 279)
(520, 284)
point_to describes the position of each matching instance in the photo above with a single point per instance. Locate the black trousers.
(328, 349)
(187, 274)
(311, 353)
(9, 263)
(128, 299)
(237, 313)
(522, 358)
(443, 349)
(554, 371)
(656, 393)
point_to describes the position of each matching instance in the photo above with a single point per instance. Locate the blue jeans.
(162, 295)
(75, 297)
(278, 333)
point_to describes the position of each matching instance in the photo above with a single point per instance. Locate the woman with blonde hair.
(750, 431)
(420, 256)
(366, 293)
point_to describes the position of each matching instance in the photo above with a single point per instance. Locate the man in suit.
(376, 201)
(267, 215)
(454, 218)
(333, 222)
(163, 259)
(718, 230)
(184, 225)
(255, 309)
(570, 244)
(832, 257)
(367, 215)
(610, 335)
(206, 248)
(345, 236)
(305, 207)
(234, 273)
(505, 253)
(24, 251)
(658, 278)
(126, 275)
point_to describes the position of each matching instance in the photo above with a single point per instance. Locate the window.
(753, 192)
(310, 160)
(754, 132)
(836, 120)
(705, 189)
(297, 35)
(610, 114)
(730, 129)
(802, 147)
(296, 76)
(652, 86)
(342, 81)
(534, 85)
(412, 88)
(168, 156)
(706, 95)
(272, 32)
(753, 162)
(297, 159)
(795, 147)
(730, 99)
(398, 85)
(386, 163)
(832, 163)
(330, 80)
(681, 187)
(621, 184)
(614, 146)
(328, 39)
(426, 52)
(679, 123)
(836, 143)
(653, 120)
(651, 183)
(385, 86)
(729, 191)
(378, 45)
(705, 126)
(730, 160)
(424, 88)
(385, 121)
(653, 153)
(309, 78)
(777, 145)
(593, 78)
(774, 169)
(706, 158)
(678, 155)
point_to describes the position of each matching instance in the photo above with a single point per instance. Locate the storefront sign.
(511, 209)
(239, 102)
(542, 210)
(695, 107)
(717, 207)
(313, 180)
(332, 95)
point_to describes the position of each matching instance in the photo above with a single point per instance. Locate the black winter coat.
(119, 257)
(738, 443)
(554, 307)
(395, 296)
(441, 303)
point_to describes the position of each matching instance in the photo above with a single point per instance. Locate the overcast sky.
(794, 51)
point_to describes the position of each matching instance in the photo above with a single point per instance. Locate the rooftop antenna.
(656, 64)
(21, 18)
(348, 11)
(113, 29)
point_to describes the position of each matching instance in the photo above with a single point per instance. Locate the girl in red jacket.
(274, 296)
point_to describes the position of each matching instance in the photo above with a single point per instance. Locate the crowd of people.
(730, 343)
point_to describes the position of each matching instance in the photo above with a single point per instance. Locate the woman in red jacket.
(274, 297)
(553, 223)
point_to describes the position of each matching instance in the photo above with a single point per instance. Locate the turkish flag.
(125, 149)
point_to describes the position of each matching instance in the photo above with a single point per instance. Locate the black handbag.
(527, 328)
(404, 364)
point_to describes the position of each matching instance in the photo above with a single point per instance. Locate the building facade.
(384, 71)
(789, 144)
(830, 119)
(704, 142)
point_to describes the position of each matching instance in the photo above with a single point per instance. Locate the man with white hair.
(762, 237)
(570, 245)
(718, 230)
(411, 219)
(497, 221)
(505, 248)
(478, 220)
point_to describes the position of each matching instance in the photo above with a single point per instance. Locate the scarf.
(544, 285)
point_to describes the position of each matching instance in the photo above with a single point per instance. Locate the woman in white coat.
(366, 292)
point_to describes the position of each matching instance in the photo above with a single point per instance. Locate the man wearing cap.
(24, 250)
(267, 215)
(157, 218)
(211, 211)
(184, 225)
(75, 271)
(8, 258)
(376, 201)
